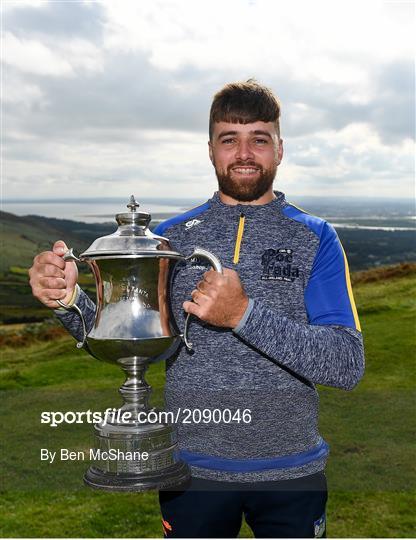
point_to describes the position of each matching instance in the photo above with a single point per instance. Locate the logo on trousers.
(319, 527)
(167, 527)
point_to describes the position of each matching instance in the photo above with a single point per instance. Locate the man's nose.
(244, 151)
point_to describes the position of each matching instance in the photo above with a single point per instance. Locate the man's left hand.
(219, 299)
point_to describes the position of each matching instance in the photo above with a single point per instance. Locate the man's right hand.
(51, 278)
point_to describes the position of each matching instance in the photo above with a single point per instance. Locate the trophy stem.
(135, 391)
(146, 451)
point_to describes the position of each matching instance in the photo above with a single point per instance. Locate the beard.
(245, 190)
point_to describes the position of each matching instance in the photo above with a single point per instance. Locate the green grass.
(371, 472)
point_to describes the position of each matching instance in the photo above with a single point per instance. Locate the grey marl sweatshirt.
(301, 328)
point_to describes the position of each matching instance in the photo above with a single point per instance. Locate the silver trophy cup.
(134, 327)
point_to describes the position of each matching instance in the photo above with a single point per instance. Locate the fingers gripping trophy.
(133, 327)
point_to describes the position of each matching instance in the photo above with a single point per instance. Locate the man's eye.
(227, 141)
(261, 141)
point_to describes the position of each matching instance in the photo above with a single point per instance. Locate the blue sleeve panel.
(328, 295)
(162, 227)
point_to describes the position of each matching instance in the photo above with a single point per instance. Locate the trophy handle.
(217, 266)
(69, 256)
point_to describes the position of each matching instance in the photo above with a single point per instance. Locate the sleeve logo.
(278, 265)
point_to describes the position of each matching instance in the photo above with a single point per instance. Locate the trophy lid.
(132, 238)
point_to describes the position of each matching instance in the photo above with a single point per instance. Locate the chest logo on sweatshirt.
(278, 265)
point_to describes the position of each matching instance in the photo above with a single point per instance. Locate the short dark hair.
(243, 103)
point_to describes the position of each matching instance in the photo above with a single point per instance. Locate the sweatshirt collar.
(248, 209)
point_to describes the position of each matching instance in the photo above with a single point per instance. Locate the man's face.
(245, 157)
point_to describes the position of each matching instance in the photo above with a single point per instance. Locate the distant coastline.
(343, 212)
(371, 236)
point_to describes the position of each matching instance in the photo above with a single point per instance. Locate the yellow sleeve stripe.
(350, 294)
(238, 240)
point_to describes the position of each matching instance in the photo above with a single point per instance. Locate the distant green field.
(371, 472)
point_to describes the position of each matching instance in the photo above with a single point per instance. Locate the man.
(280, 319)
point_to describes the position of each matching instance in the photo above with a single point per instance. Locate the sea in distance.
(342, 212)
(374, 232)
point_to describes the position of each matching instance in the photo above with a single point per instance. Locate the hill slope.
(23, 237)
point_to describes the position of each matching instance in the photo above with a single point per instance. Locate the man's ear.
(211, 155)
(280, 151)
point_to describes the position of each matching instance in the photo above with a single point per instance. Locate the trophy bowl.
(134, 327)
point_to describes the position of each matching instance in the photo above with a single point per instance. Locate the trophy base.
(134, 449)
(176, 476)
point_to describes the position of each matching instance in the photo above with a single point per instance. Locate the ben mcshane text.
(64, 454)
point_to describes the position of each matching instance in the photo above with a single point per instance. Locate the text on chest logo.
(278, 265)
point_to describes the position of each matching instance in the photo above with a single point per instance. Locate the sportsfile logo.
(278, 265)
(192, 223)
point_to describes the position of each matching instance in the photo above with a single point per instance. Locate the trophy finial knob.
(133, 204)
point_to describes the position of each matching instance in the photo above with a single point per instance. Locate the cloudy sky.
(108, 98)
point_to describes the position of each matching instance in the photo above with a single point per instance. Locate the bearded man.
(280, 319)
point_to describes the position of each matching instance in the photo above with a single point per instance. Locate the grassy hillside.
(371, 472)
(21, 239)
(24, 237)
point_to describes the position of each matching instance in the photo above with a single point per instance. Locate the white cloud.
(353, 160)
(32, 56)
(16, 90)
(157, 163)
(63, 60)
(9, 5)
(267, 34)
(103, 94)
(83, 55)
